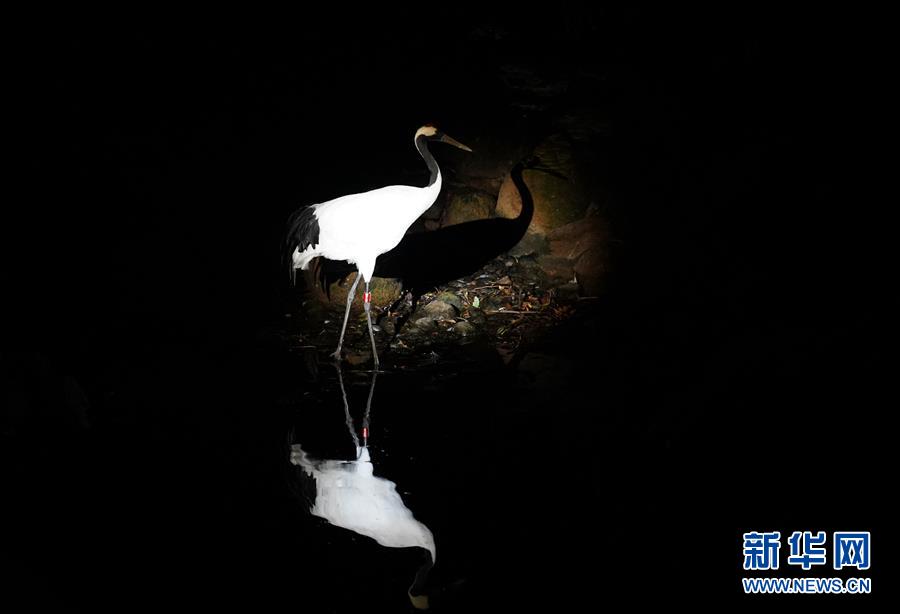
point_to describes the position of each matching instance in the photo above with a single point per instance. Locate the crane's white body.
(360, 227)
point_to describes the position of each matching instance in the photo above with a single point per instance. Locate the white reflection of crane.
(349, 495)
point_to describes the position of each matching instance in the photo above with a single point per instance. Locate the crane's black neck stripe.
(422, 146)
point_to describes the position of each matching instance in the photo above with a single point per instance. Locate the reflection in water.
(349, 495)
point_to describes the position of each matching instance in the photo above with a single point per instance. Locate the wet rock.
(439, 310)
(388, 326)
(492, 303)
(464, 328)
(451, 299)
(467, 206)
(423, 324)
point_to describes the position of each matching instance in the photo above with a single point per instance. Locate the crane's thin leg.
(367, 301)
(337, 352)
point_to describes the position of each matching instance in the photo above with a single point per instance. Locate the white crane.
(358, 228)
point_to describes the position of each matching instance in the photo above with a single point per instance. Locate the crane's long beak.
(454, 142)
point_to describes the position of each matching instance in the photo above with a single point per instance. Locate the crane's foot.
(336, 355)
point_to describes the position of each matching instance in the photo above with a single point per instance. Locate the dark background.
(741, 357)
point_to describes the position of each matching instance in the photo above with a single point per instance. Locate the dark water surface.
(187, 493)
(560, 486)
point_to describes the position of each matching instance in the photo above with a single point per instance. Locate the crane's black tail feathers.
(303, 231)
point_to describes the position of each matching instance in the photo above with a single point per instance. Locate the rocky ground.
(501, 308)
(556, 254)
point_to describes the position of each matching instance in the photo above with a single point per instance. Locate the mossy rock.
(450, 298)
(384, 291)
(467, 206)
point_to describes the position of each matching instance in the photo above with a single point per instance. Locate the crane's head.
(433, 133)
